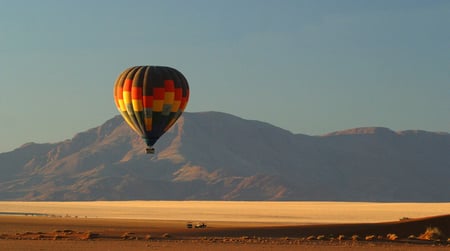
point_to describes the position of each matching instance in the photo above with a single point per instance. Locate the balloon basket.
(150, 150)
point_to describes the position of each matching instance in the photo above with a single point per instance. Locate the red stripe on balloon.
(158, 93)
(147, 101)
(169, 85)
(178, 93)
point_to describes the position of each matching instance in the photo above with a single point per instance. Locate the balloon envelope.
(151, 99)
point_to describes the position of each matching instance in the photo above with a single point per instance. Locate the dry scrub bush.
(321, 237)
(311, 237)
(370, 237)
(355, 237)
(432, 233)
(392, 237)
(129, 236)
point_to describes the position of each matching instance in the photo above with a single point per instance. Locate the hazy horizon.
(306, 212)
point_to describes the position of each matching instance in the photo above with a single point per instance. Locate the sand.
(277, 212)
(67, 233)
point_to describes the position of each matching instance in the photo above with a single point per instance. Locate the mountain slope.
(217, 156)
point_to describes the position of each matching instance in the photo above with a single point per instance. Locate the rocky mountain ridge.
(218, 156)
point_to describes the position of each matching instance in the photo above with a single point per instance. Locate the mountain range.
(218, 156)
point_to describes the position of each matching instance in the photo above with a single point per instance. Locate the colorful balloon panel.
(151, 99)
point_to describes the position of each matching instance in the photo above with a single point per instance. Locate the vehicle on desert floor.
(200, 225)
(196, 225)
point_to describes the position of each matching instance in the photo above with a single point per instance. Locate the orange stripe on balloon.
(168, 98)
(148, 124)
(175, 106)
(127, 85)
(136, 92)
(137, 105)
(158, 105)
(119, 92)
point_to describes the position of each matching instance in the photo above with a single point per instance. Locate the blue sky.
(310, 67)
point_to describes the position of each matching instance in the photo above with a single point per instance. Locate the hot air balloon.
(151, 99)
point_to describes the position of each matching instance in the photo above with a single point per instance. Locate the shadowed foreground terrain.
(47, 233)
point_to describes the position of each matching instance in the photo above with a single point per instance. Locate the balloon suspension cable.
(149, 150)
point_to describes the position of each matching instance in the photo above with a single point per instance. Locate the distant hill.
(217, 156)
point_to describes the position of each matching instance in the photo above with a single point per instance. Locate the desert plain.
(162, 225)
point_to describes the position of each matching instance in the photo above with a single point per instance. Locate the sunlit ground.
(269, 212)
